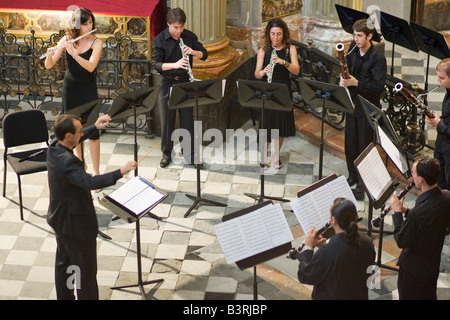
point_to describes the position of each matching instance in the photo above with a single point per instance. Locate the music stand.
(349, 16)
(398, 32)
(88, 114)
(329, 96)
(263, 95)
(139, 197)
(195, 94)
(254, 260)
(432, 43)
(131, 104)
(376, 117)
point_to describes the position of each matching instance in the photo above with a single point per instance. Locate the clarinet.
(185, 56)
(343, 61)
(409, 96)
(272, 65)
(377, 222)
(294, 252)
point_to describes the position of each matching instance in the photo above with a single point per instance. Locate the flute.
(377, 222)
(61, 46)
(409, 96)
(293, 253)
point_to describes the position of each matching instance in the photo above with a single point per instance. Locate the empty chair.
(22, 128)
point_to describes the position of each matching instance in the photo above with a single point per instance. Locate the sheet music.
(374, 173)
(392, 151)
(253, 233)
(136, 195)
(313, 208)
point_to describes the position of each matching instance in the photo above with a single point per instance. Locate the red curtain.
(137, 8)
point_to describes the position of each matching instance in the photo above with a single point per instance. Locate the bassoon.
(410, 97)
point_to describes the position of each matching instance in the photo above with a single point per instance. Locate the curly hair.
(276, 23)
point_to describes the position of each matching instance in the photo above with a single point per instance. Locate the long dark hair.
(80, 16)
(345, 212)
(276, 23)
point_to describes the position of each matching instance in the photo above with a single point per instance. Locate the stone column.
(207, 19)
(324, 25)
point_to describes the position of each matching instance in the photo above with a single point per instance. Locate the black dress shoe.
(359, 188)
(352, 180)
(164, 162)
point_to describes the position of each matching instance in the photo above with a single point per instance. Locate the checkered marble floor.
(184, 252)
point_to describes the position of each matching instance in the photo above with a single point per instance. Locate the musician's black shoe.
(359, 188)
(164, 162)
(352, 180)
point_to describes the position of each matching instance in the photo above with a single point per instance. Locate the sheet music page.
(253, 233)
(374, 173)
(340, 189)
(136, 195)
(392, 151)
(313, 208)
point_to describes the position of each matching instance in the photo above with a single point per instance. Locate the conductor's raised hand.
(102, 122)
(128, 167)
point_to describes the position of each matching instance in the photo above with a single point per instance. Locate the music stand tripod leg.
(140, 283)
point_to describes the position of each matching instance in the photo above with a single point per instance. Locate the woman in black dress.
(277, 37)
(80, 78)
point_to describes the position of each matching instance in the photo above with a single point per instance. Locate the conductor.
(71, 211)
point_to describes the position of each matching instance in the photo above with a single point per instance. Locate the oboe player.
(367, 68)
(421, 235)
(339, 269)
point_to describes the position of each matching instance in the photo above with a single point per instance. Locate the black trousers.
(412, 287)
(168, 119)
(76, 261)
(442, 153)
(358, 135)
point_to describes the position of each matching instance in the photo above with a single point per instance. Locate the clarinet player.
(169, 60)
(338, 270)
(420, 232)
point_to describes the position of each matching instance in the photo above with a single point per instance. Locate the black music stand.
(195, 94)
(329, 96)
(131, 104)
(122, 211)
(88, 113)
(349, 16)
(398, 32)
(263, 95)
(253, 261)
(433, 44)
(376, 117)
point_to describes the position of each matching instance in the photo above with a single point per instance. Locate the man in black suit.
(71, 211)
(367, 69)
(421, 234)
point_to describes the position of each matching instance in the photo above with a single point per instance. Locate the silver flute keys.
(185, 56)
(272, 65)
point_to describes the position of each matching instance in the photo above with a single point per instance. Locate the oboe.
(377, 222)
(409, 96)
(185, 56)
(61, 46)
(272, 65)
(294, 252)
(343, 61)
